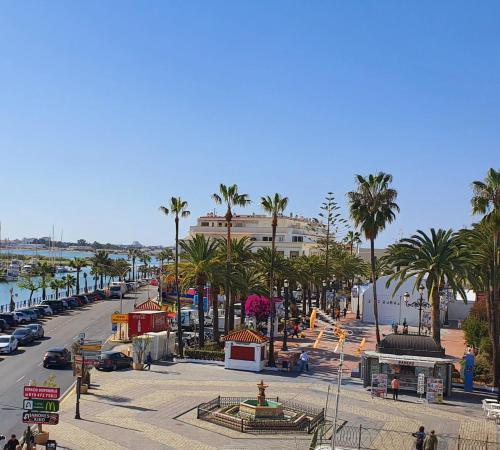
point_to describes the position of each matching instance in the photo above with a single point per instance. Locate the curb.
(67, 392)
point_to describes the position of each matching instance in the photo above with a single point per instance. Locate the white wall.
(236, 364)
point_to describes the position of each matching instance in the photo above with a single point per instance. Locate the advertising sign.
(421, 384)
(379, 385)
(434, 390)
(40, 418)
(119, 318)
(43, 392)
(41, 405)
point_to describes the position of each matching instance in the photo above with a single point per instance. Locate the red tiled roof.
(149, 305)
(248, 336)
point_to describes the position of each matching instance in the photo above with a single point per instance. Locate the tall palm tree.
(145, 258)
(178, 208)
(372, 206)
(69, 282)
(56, 284)
(480, 242)
(101, 262)
(46, 271)
(275, 206)
(199, 258)
(85, 287)
(166, 254)
(352, 239)
(133, 255)
(230, 196)
(78, 264)
(436, 260)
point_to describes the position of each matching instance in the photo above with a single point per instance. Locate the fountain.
(261, 408)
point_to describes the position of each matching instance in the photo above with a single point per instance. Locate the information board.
(379, 385)
(434, 392)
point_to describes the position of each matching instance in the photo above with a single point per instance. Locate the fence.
(306, 418)
(363, 438)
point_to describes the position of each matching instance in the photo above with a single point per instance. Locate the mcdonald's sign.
(41, 405)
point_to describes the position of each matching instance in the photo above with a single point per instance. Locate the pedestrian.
(12, 443)
(295, 330)
(420, 436)
(395, 388)
(345, 312)
(304, 361)
(337, 315)
(431, 441)
(149, 360)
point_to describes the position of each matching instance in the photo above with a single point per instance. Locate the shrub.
(474, 330)
(207, 355)
(485, 346)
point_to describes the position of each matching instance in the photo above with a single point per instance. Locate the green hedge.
(209, 355)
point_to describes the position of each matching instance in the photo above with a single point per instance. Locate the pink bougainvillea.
(257, 306)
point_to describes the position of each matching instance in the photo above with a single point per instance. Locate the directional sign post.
(119, 318)
(40, 418)
(41, 405)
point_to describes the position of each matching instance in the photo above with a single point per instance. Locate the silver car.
(36, 329)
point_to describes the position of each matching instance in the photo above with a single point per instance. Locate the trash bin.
(51, 445)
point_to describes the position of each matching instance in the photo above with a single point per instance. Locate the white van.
(117, 289)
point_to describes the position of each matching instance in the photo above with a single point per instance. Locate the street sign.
(91, 355)
(91, 347)
(43, 392)
(114, 328)
(119, 318)
(41, 405)
(40, 418)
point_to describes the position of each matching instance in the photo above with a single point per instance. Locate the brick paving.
(155, 410)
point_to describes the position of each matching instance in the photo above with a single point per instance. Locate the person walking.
(420, 437)
(12, 443)
(395, 388)
(304, 361)
(431, 441)
(295, 330)
(345, 312)
(149, 360)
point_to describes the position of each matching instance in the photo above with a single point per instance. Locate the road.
(17, 369)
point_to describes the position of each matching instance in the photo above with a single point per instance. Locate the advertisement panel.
(43, 392)
(434, 392)
(379, 385)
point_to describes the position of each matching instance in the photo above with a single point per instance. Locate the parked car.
(34, 315)
(65, 305)
(24, 336)
(57, 357)
(21, 317)
(73, 302)
(8, 344)
(55, 305)
(3, 325)
(84, 299)
(10, 319)
(46, 310)
(36, 329)
(113, 360)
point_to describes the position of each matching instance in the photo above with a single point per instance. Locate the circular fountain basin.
(270, 409)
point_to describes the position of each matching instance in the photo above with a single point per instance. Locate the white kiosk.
(245, 350)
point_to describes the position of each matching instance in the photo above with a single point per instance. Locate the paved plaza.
(157, 409)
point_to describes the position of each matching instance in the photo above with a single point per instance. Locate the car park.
(113, 360)
(57, 357)
(10, 319)
(36, 329)
(24, 336)
(8, 344)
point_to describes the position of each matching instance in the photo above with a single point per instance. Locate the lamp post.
(358, 316)
(323, 295)
(420, 303)
(285, 346)
(299, 298)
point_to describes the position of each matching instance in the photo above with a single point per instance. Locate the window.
(280, 253)
(281, 238)
(294, 254)
(220, 224)
(267, 238)
(297, 238)
(205, 224)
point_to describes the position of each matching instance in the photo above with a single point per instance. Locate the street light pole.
(285, 337)
(358, 316)
(323, 295)
(420, 303)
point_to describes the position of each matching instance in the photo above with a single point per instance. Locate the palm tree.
(78, 264)
(133, 254)
(46, 272)
(166, 254)
(352, 238)
(372, 206)
(85, 289)
(275, 206)
(480, 242)
(178, 208)
(94, 271)
(69, 282)
(199, 259)
(436, 260)
(56, 284)
(145, 259)
(230, 196)
(101, 262)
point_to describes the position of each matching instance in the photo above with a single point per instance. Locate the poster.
(434, 390)
(421, 384)
(379, 385)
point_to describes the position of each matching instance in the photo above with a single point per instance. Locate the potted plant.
(141, 346)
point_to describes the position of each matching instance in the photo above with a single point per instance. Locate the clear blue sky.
(109, 108)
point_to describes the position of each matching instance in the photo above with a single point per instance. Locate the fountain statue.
(261, 398)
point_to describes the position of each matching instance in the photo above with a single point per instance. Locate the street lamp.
(285, 346)
(358, 315)
(323, 298)
(420, 303)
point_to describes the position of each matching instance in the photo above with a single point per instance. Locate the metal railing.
(364, 438)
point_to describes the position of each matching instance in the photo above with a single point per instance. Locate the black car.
(23, 335)
(113, 360)
(3, 325)
(57, 357)
(9, 318)
(55, 305)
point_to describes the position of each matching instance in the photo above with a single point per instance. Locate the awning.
(402, 361)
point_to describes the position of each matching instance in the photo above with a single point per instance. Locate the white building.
(295, 236)
(392, 307)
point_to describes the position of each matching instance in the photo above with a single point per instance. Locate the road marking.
(18, 380)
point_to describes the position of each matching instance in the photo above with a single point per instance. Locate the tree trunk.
(304, 302)
(271, 362)
(494, 321)
(44, 290)
(243, 314)
(374, 281)
(436, 312)
(215, 312)
(230, 299)
(309, 300)
(77, 281)
(317, 296)
(180, 344)
(201, 314)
